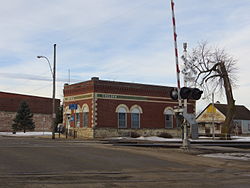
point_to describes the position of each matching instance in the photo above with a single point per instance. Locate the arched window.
(122, 118)
(122, 111)
(85, 113)
(77, 116)
(135, 116)
(66, 110)
(169, 116)
(67, 115)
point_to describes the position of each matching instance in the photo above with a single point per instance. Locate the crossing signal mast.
(184, 93)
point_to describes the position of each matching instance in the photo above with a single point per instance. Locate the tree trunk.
(227, 125)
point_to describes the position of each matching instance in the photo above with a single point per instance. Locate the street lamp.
(53, 72)
(41, 56)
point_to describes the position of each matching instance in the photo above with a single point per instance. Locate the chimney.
(95, 78)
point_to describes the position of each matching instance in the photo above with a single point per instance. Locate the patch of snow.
(234, 139)
(26, 134)
(149, 138)
(241, 138)
(117, 138)
(204, 139)
(158, 139)
(232, 156)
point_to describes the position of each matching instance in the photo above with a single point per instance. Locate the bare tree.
(216, 71)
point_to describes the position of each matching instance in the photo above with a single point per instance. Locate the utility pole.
(54, 93)
(53, 73)
(213, 116)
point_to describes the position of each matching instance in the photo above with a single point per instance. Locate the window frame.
(122, 109)
(77, 119)
(85, 110)
(85, 120)
(168, 121)
(168, 112)
(123, 120)
(136, 110)
(139, 121)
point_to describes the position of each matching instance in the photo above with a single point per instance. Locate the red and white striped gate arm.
(176, 54)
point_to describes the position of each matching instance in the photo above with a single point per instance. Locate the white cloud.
(115, 39)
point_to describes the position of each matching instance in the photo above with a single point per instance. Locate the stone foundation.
(111, 132)
(89, 133)
(85, 133)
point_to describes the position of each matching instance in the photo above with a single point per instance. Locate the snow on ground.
(150, 138)
(241, 138)
(158, 139)
(233, 156)
(26, 134)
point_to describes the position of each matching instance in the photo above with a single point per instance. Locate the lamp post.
(53, 72)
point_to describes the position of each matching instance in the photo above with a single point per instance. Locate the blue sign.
(72, 106)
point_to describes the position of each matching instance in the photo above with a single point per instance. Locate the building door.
(207, 130)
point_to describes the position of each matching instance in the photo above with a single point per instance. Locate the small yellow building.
(213, 116)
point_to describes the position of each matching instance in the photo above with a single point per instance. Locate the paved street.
(40, 162)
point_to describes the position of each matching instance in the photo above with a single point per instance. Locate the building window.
(122, 111)
(85, 112)
(85, 119)
(67, 111)
(217, 127)
(122, 120)
(135, 120)
(169, 116)
(135, 116)
(77, 120)
(168, 121)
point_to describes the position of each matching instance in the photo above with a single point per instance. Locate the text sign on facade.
(72, 106)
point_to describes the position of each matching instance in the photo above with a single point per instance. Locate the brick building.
(98, 108)
(41, 108)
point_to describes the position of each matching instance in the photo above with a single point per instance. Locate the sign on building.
(72, 106)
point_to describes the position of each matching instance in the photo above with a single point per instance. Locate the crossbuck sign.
(189, 70)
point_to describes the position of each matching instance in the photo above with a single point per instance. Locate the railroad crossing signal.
(190, 93)
(186, 93)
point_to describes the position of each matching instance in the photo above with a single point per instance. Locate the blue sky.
(120, 40)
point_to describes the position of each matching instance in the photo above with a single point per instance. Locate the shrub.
(134, 135)
(165, 135)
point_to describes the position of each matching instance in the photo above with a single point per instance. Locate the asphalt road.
(39, 162)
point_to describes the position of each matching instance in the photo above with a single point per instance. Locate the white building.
(217, 115)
